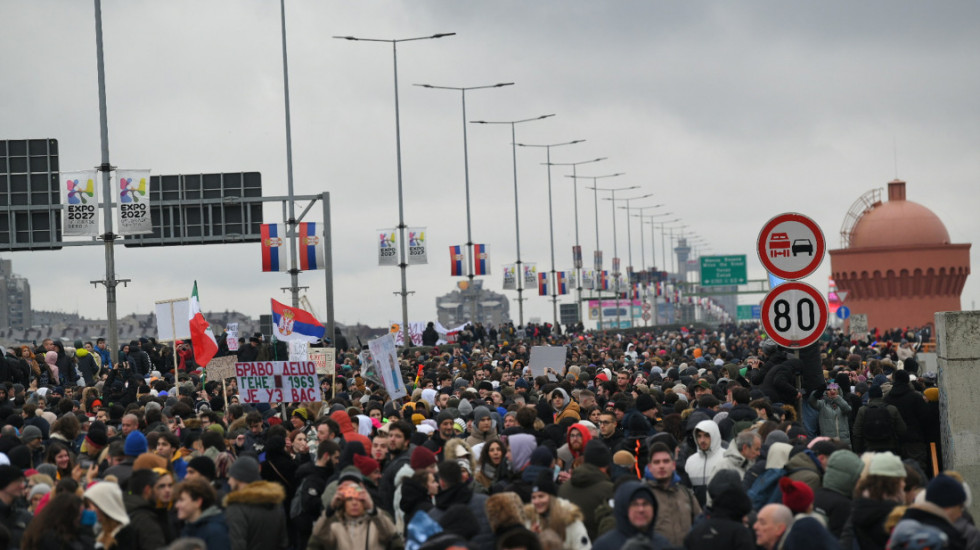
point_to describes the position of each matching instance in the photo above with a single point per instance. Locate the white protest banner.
(415, 330)
(299, 350)
(369, 370)
(325, 359)
(510, 277)
(231, 332)
(530, 275)
(81, 217)
(387, 249)
(418, 252)
(172, 320)
(220, 368)
(277, 382)
(133, 197)
(386, 359)
(547, 357)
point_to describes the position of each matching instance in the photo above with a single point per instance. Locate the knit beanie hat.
(544, 483)
(797, 496)
(39, 489)
(542, 456)
(30, 433)
(245, 470)
(204, 466)
(422, 458)
(597, 454)
(366, 465)
(875, 392)
(645, 402)
(886, 464)
(932, 395)
(135, 444)
(107, 496)
(97, 436)
(624, 458)
(945, 492)
(9, 474)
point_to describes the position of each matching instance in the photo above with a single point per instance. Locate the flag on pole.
(202, 337)
(604, 280)
(290, 323)
(456, 257)
(481, 259)
(311, 247)
(274, 247)
(562, 282)
(543, 283)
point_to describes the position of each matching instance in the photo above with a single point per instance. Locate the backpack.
(877, 423)
(305, 500)
(765, 490)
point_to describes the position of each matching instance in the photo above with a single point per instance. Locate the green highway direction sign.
(723, 270)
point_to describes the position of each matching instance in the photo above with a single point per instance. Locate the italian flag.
(202, 338)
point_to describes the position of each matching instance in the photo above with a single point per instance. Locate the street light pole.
(466, 175)
(598, 251)
(653, 251)
(629, 247)
(578, 245)
(517, 216)
(551, 223)
(403, 265)
(613, 190)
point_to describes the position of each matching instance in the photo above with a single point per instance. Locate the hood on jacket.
(733, 456)
(342, 420)
(728, 496)
(625, 494)
(212, 513)
(586, 437)
(263, 493)
(587, 475)
(843, 471)
(564, 396)
(505, 510)
(778, 455)
(710, 428)
(521, 447)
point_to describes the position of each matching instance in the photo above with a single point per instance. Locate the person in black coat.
(778, 384)
(912, 406)
(721, 524)
(430, 335)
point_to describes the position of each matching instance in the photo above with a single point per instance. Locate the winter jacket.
(779, 383)
(347, 429)
(928, 513)
(805, 467)
(701, 465)
(151, 533)
(677, 508)
(624, 531)
(833, 499)
(721, 526)
(372, 531)
(211, 528)
(87, 366)
(861, 443)
(463, 495)
(865, 528)
(565, 519)
(587, 488)
(386, 487)
(912, 406)
(732, 459)
(833, 416)
(255, 517)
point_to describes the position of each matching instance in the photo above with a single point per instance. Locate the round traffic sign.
(843, 312)
(794, 315)
(791, 246)
(647, 316)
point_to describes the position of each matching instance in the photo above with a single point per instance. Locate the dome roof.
(898, 222)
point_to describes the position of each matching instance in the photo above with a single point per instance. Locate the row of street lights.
(517, 226)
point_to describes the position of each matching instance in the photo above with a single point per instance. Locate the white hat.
(107, 496)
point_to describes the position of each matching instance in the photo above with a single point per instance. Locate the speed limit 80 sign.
(794, 315)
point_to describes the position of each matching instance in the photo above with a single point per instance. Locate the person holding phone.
(355, 519)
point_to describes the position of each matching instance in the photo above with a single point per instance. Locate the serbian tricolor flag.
(274, 247)
(481, 259)
(456, 257)
(543, 283)
(604, 280)
(290, 323)
(202, 337)
(311, 249)
(562, 282)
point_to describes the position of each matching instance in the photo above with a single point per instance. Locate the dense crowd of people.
(683, 438)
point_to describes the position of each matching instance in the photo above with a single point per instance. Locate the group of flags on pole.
(458, 260)
(309, 246)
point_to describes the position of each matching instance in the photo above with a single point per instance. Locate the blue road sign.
(843, 312)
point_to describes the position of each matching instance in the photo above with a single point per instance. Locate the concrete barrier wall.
(958, 356)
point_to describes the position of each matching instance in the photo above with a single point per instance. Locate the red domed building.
(896, 263)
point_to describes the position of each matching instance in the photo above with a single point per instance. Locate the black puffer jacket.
(779, 384)
(912, 406)
(866, 526)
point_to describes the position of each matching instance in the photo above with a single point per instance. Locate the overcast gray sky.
(729, 112)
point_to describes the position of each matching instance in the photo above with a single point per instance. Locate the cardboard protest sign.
(547, 357)
(386, 360)
(220, 368)
(277, 382)
(325, 359)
